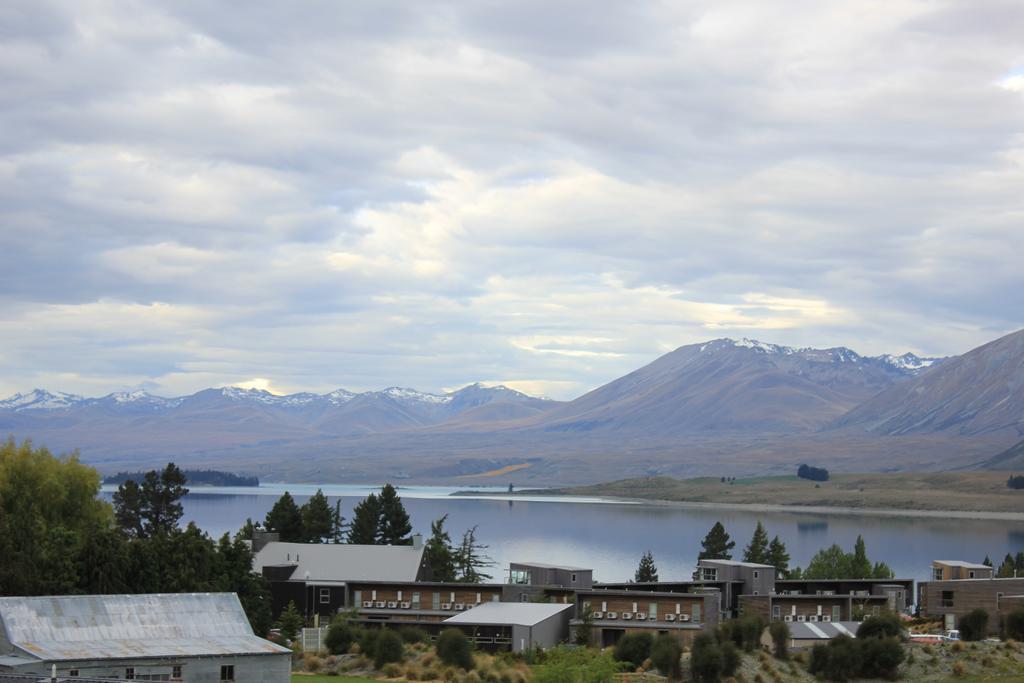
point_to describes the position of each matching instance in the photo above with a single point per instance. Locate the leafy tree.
(830, 563)
(340, 636)
(470, 559)
(665, 654)
(290, 621)
(705, 659)
(757, 550)
(285, 518)
(389, 648)
(634, 647)
(886, 625)
(583, 632)
(161, 500)
(317, 519)
(365, 527)
(103, 563)
(440, 556)
(1014, 624)
(646, 572)
(880, 657)
(454, 649)
(812, 473)
(974, 625)
(395, 527)
(779, 632)
(716, 545)
(778, 557)
(796, 573)
(859, 564)
(882, 571)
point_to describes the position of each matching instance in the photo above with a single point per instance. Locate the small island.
(193, 478)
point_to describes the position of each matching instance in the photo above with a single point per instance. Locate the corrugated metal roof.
(822, 630)
(74, 627)
(961, 563)
(505, 613)
(342, 561)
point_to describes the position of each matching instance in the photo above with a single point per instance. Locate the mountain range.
(719, 406)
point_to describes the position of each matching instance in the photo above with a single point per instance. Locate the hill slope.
(980, 392)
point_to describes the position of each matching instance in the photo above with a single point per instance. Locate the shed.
(806, 634)
(195, 637)
(519, 625)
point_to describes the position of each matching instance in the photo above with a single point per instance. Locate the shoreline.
(981, 515)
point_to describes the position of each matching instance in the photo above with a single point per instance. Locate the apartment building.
(613, 613)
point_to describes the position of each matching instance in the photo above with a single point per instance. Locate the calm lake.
(610, 537)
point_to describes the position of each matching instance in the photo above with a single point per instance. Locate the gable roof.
(822, 630)
(508, 613)
(341, 562)
(74, 627)
(961, 563)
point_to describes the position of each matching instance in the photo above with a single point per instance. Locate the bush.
(974, 625)
(959, 669)
(780, 638)
(706, 659)
(454, 649)
(812, 473)
(367, 641)
(730, 659)
(1014, 624)
(413, 634)
(665, 654)
(885, 625)
(340, 636)
(880, 657)
(634, 648)
(564, 665)
(838, 661)
(389, 648)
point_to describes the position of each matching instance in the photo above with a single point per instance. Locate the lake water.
(610, 537)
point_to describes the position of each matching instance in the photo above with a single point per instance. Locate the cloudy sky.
(312, 195)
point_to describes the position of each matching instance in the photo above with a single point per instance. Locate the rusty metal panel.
(130, 626)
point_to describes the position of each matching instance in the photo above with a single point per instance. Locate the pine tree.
(285, 518)
(339, 528)
(987, 561)
(1018, 563)
(1006, 569)
(716, 545)
(757, 551)
(646, 572)
(290, 621)
(395, 527)
(778, 557)
(317, 519)
(161, 495)
(365, 527)
(860, 565)
(469, 559)
(440, 556)
(128, 508)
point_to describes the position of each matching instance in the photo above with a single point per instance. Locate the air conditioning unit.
(826, 617)
(460, 606)
(367, 603)
(381, 604)
(392, 605)
(684, 617)
(446, 605)
(813, 617)
(611, 615)
(627, 615)
(789, 617)
(801, 618)
(642, 616)
(670, 617)
(405, 605)
(597, 615)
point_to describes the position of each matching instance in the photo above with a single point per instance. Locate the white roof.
(960, 563)
(340, 562)
(75, 627)
(508, 613)
(822, 630)
(736, 563)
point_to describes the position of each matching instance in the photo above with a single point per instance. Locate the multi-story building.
(953, 570)
(899, 593)
(813, 608)
(950, 599)
(613, 613)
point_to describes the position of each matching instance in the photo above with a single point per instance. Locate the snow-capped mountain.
(40, 399)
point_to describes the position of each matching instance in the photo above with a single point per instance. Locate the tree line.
(1011, 566)
(379, 519)
(195, 477)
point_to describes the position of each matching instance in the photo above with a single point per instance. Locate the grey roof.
(340, 562)
(508, 613)
(961, 563)
(736, 563)
(822, 630)
(541, 565)
(74, 627)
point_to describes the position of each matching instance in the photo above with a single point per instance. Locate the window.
(635, 608)
(947, 598)
(836, 613)
(757, 575)
(696, 613)
(415, 600)
(129, 673)
(519, 576)
(227, 672)
(756, 593)
(652, 611)
(574, 578)
(604, 606)
(970, 574)
(937, 573)
(435, 601)
(373, 594)
(776, 612)
(73, 673)
(176, 671)
(709, 573)
(325, 596)
(357, 598)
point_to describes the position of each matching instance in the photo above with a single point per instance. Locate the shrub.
(413, 634)
(389, 648)
(880, 657)
(730, 659)
(367, 641)
(885, 625)
(634, 648)
(706, 659)
(959, 669)
(454, 649)
(780, 638)
(1013, 626)
(838, 661)
(340, 636)
(957, 646)
(564, 665)
(974, 625)
(391, 670)
(665, 653)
